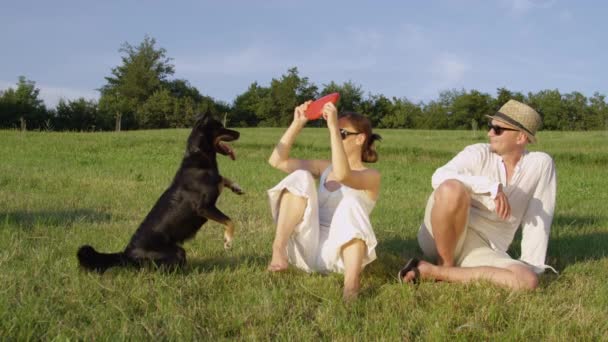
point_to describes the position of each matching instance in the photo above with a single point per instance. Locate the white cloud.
(348, 50)
(52, 94)
(397, 54)
(449, 70)
(446, 71)
(249, 59)
(524, 6)
(4, 85)
(565, 16)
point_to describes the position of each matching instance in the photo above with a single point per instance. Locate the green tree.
(375, 108)
(180, 88)
(404, 114)
(503, 95)
(548, 103)
(189, 102)
(286, 93)
(597, 117)
(22, 107)
(245, 110)
(80, 114)
(434, 116)
(575, 106)
(351, 95)
(157, 111)
(273, 106)
(185, 110)
(470, 107)
(143, 71)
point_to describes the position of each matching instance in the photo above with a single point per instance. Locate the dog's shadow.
(55, 218)
(224, 263)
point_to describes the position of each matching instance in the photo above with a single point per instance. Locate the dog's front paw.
(237, 189)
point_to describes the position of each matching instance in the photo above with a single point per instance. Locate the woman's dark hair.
(362, 125)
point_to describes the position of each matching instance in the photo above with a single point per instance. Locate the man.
(480, 199)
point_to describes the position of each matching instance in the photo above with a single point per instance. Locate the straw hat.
(520, 116)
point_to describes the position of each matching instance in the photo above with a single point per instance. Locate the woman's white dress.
(331, 219)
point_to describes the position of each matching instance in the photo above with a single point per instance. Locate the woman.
(326, 230)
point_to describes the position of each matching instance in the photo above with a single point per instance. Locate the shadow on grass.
(59, 219)
(571, 249)
(574, 222)
(392, 252)
(199, 265)
(573, 239)
(226, 263)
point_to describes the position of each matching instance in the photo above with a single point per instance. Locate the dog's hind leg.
(174, 258)
(167, 257)
(216, 215)
(228, 234)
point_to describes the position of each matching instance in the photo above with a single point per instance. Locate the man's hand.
(503, 209)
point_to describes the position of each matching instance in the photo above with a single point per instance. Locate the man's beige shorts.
(471, 250)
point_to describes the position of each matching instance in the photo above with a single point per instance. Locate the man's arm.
(536, 223)
(463, 167)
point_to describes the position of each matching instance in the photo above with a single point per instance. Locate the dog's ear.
(196, 136)
(201, 119)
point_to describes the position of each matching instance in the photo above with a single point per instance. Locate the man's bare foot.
(423, 269)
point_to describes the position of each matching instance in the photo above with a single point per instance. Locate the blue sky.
(411, 49)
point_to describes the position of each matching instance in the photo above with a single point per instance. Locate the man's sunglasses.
(344, 133)
(498, 130)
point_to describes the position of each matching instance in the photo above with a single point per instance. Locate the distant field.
(61, 190)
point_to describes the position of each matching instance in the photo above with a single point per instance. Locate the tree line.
(140, 94)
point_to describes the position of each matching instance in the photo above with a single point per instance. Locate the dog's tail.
(92, 260)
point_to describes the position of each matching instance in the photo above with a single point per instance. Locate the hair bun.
(375, 137)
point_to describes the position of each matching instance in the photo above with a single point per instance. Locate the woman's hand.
(299, 114)
(330, 114)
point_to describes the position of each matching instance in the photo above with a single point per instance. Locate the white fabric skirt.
(317, 248)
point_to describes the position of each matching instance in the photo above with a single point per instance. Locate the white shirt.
(531, 195)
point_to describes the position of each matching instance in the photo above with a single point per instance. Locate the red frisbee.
(315, 109)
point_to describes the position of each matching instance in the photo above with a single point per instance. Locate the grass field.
(61, 190)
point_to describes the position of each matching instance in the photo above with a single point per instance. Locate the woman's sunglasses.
(498, 130)
(344, 133)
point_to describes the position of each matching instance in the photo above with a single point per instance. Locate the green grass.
(61, 190)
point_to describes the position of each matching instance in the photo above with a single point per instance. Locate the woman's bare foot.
(279, 261)
(350, 293)
(277, 268)
(352, 285)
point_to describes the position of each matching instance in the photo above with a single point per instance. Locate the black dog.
(182, 209)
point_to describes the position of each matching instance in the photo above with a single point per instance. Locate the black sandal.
(411, 265)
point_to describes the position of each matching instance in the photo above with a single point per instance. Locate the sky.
(404, 49)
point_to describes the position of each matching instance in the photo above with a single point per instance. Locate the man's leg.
(517, 277)
(291, 212)
(449, 218)
(352, 255)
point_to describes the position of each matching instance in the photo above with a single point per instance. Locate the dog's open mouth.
(222, 147)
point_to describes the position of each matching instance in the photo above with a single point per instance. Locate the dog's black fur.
(182, 209)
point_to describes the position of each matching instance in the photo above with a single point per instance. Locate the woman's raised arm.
(279, 159)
